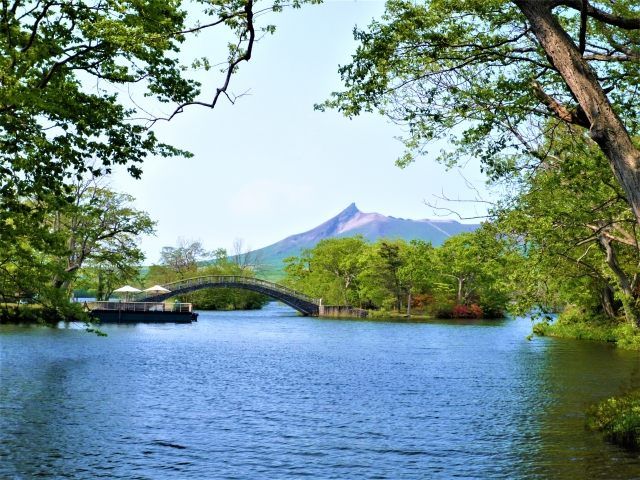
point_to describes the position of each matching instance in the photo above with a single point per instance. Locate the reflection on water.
(272, 395)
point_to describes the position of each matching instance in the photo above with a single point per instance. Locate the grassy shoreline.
(583, 326)
(34, 314)
(618, 419)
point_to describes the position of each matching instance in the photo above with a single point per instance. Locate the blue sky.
(270, 166)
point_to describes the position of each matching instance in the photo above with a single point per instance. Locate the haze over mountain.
(372, 226)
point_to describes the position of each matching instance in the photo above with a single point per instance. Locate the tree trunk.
(628, 295)
(459, 295)
(100, 291)
(607, 301)
(409, 304)
(606, 128)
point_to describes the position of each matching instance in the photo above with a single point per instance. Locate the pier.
(141, 312)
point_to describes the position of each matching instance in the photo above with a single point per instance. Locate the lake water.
(269, 394)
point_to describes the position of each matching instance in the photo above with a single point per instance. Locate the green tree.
(329, 271)
(102, 228)
(472, 269)
(55, 123)
(392, 261)
(497, 76)
(578, 234)
(417, 273)
(99, 230)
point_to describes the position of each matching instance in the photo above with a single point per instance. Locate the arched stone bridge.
(301, 302)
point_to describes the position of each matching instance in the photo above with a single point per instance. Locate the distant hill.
(352, 221)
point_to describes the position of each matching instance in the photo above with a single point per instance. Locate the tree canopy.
(466, 276)
(75, 76)
(497, 77)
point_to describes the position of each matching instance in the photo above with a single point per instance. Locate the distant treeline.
(465, 277)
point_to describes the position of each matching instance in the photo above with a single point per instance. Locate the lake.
(270, 394)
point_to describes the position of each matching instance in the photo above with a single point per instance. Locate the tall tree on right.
(498, 76)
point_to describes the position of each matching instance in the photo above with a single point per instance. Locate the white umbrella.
(127, 289)
(157, 289)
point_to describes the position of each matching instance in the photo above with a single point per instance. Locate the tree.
(498, 76)
(65, 65)
(392, 261)
(43, 256)
(471, 268)
(418, 270)
(100, 227)
(380, 281)
(576, 230)
(185, 257)
(329, 271)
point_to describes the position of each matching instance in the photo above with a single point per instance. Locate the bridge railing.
(237, 279)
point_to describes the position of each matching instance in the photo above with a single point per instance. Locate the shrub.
(580, 324)
(462, 311)
(618, 418)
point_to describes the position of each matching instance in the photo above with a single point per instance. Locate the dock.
(141, 312)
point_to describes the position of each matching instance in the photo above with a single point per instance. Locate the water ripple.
(272, 395)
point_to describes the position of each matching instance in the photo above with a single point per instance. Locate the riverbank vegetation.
(93, 230)
(463, 278)
(618, 418)
(581, 324)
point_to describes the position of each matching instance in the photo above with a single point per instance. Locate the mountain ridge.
(350, 222)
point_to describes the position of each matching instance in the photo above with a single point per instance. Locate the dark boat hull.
(122, 316)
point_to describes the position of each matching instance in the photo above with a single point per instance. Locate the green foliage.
(473, 269)
(50, 314)
(329, 271)
(94, 238)
(56, 124)
(467, 270)
(472, 73)
(577, 234)
(226, 299)
(618, 418)
(582, 324)
(182, 262)
(102, 230)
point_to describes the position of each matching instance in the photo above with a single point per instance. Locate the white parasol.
(157, 289)
(127, 289)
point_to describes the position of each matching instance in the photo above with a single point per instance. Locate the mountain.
(352, 221)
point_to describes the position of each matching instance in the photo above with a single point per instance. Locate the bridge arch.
(302, 303)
